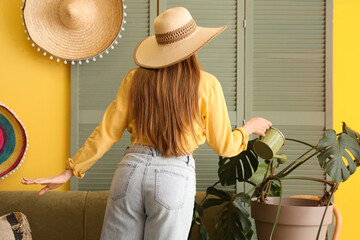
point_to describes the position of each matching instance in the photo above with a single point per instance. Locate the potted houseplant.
(337, 154)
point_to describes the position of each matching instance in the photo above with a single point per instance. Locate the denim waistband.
(136, 148)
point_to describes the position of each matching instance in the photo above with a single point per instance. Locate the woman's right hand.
(257, 126)
(50, 182)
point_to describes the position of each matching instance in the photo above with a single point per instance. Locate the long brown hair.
(165, 106)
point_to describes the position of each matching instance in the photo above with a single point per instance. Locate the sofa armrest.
(57, 215)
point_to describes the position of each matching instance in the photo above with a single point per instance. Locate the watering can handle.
(337, 214)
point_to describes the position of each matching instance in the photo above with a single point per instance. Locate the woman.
(170, 107)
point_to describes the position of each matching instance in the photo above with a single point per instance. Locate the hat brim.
(13, 141)
(150, 54)
(45, 28)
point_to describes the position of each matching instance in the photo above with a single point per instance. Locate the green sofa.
(70, 215)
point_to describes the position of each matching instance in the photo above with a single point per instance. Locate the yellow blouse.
(214, 116)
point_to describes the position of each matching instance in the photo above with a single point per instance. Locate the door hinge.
(244, 23)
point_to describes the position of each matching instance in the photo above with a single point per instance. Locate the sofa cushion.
(56, 215)
(94, 214)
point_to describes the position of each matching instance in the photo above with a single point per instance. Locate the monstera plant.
(337, 154)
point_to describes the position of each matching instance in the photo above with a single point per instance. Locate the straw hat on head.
(176, 38)
(73, 29)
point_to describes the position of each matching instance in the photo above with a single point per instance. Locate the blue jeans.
(151, 197)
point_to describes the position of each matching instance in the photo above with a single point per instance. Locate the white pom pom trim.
(27, 140)
(86, 59)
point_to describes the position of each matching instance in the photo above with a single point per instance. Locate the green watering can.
(266, 147)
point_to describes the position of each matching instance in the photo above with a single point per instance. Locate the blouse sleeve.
(106, 134)
(219, 136)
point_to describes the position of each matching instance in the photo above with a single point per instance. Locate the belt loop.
(153, 151)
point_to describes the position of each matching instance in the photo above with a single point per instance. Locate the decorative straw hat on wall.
(74, 30)
(13, 141)
(176, 38)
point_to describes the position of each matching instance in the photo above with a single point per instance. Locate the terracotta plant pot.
(299, 219)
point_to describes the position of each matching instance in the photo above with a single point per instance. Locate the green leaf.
(258, 176)
(203, 233)
(219, 193)
(233, 220)
(243, 215)
(244, 197)
(240, 167)
(331, 160)
(197, 214)
(351, 132)
(198, 209)
(275, 189)
(249, 234)
(210, 202)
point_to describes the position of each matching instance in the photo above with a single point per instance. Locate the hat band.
(177, 34)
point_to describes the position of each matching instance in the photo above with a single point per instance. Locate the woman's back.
(210, 120)
(164, 107)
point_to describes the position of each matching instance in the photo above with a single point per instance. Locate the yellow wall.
(346, 102)
(39, 91)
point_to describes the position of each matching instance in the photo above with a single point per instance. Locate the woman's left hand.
(50, 182)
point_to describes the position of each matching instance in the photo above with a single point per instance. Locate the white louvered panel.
(219, 56)
(289, 56)
(98, 84)
(206, 167)
(100, 80)
(311, 168)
